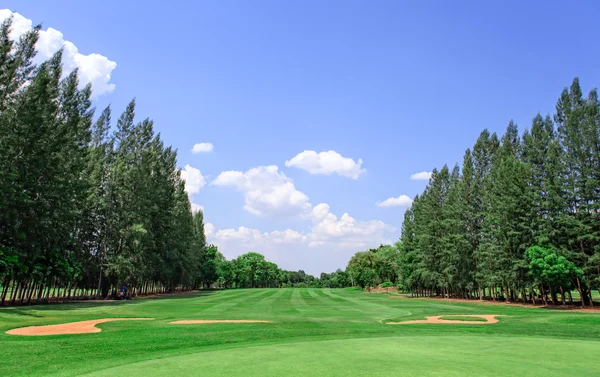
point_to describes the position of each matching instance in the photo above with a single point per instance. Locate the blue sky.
(404, 87)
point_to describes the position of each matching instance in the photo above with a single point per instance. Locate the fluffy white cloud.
(194, 180)
(345, 231)
(93, 68)
(267, 192)
(253, 237)
(196, 207)
(422, 176)
(327, 229)
(209, 229)
(327, 163)
(400, 201)
(202, 148)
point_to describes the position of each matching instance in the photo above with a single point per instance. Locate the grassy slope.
(311, 330)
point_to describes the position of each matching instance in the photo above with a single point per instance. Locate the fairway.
(325, 332)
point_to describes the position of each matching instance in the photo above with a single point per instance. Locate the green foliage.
(467, 234)
(252, 270)
(546, 266)
(82, 207)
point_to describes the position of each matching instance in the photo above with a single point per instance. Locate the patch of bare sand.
(490, 319)
(382, 290)
(81, 327)
(207, 321)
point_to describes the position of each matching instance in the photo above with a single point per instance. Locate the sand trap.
(207, 321)
(490, 319)
(82, 327)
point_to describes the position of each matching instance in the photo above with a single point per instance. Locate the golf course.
(303, 331)
(299, 189)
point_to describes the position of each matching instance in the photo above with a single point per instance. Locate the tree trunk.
(580, 292)
(31, 292)
(543, 294)
(47, 296)
(40, 291)
(99, 282)
(14, 292)
(7, 282)
(562, 295)
(23, 292)
(70, 291)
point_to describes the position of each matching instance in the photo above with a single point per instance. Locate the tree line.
(88, 204)
(519, 221)
(84, 208)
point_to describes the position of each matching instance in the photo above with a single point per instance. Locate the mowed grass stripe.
(298, 302)
(382, 310)
(272, 297)
(340, 303)
(225, 306)
(332, 303)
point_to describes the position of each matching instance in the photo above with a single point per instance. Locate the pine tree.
(577, 125)
(484, 153)
(408, 247)
(466, 207)
(454, 239)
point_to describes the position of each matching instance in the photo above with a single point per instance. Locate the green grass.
(320, 332)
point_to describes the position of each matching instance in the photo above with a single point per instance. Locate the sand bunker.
(82, 327)
(207, 321)
(490, 319)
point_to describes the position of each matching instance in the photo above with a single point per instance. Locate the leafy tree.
(550, 269)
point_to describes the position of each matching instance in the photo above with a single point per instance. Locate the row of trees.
(84, 209)
(522, 216)
(252, 270)
(375, 266)
(87, 206)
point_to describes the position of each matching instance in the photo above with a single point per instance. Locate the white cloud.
(422, 176)
(202, 148)
(326, 230)
(267, 192)
(253, 237)
(209, 229)
(400, 201)
(196, 207)
(345, 231)
(194, 180)
(93, 68)
(327, 163)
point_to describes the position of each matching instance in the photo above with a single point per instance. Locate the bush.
(386, 284)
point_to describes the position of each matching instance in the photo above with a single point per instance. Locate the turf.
(321, 332)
